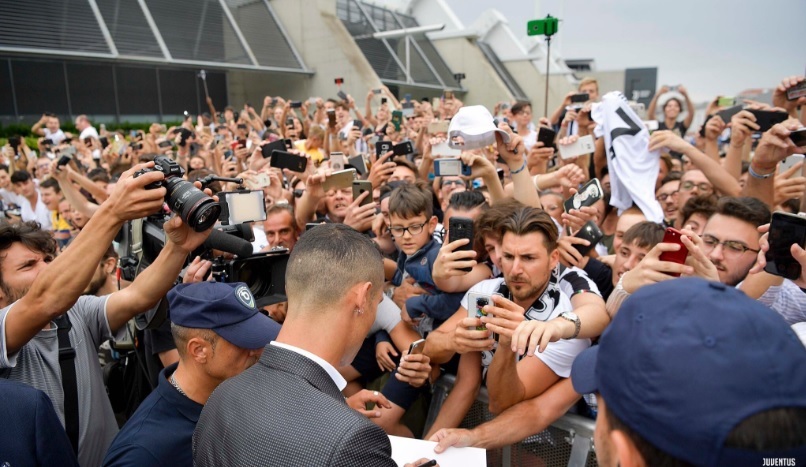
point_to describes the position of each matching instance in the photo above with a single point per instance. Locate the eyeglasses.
(702, 186)
(413, 229)
(299, 192)
(731, 247)
(453, 182)
(664, 196)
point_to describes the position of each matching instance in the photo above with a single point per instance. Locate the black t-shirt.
(602, 275)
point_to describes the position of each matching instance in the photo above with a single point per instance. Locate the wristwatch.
(572, 317)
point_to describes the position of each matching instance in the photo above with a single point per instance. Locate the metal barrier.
(566, 442)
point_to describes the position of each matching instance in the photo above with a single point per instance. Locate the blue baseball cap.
(227, 308)
(686, 360)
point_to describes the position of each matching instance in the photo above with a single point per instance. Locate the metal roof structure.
(243, 34)
(408, 58)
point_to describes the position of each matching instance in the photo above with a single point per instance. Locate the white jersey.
(559, 355)
(633, 168)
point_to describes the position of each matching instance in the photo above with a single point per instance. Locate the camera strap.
(67, 362)
(136, 248)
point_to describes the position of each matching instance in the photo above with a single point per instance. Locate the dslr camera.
(196, 209)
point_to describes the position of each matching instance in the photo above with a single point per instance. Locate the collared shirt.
(160, 432)
(334, 374)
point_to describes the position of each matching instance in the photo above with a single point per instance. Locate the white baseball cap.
(474, 125)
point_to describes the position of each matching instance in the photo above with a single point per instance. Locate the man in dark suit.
(288, 408)
(32, 433)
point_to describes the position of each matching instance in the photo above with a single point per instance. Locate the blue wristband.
(523, 167)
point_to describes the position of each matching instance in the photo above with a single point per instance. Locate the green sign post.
(547, 26)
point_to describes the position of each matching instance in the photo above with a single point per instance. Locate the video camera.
(229, 246)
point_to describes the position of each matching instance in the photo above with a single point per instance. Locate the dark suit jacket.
(285, 411)
(32, 433)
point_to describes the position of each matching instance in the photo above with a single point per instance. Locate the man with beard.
(731, 241)
(49, 333)
(219, 332)
(103, 280)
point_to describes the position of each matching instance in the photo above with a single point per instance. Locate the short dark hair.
(411, 200)
(51, 183)
(526, 220)
(704, 204)
(776, 429)
(745, 208)
(519, 107)
(645, 234)
(4, 168)
(327, 261)
(278, 208)
(679, 104)
(31, 235)
(20, 176)
(489, 222)
(405, 163)
(672, 176)
(98, 174)
(467, 200)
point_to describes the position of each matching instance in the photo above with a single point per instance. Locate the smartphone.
(287, 160)
(383, 100)
(765, 119)
(358, 123)
(580, 98)
(583, 145)
(14, 141)
(448, 167)
(339, 180)
(476, 302)
(679, 256)
(331, 117)
(382, 147)
(360, 187)
(288, 143)
(725, 101)
(229, 155)
(590, 232)
(448, 94)
(359, 164)
(652, 125)
(546, 136)
(337, 161)
(376, 91)
(459, 228)
(438, 127)
(295, 104)
(798, 137)
(444, 149)
(785, 230)
(104, 142)
(339, 81)
(137, 146)
(397, 119)
(408, 109)
(133, 134)
(165, 144)
(269, 148)
(261, 180)
(342, 95)
(588, 195)
(797, 91)
(727, 114)
(403, 149)
(790, 161)
(416, 347)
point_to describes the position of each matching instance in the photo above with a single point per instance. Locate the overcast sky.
(711, 47)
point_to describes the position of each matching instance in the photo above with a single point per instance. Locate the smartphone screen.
(785, 230)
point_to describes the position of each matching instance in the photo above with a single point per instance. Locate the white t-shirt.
(559, 355)
(387, 317)
(57, 137)
(89, 132)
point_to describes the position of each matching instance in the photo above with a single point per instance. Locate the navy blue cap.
(686, 360)
(226, 308)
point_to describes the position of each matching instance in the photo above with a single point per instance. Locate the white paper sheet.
(406, 450)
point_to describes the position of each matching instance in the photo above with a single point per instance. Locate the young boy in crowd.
(412, 224)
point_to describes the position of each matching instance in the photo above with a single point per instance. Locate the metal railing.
(567, 442)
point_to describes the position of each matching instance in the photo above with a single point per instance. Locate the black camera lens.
(196, 209)
(482, 302)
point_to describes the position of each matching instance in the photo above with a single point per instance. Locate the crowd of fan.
(551, 297)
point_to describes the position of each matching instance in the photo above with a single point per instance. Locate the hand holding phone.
(459, 228)
(679, 256)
